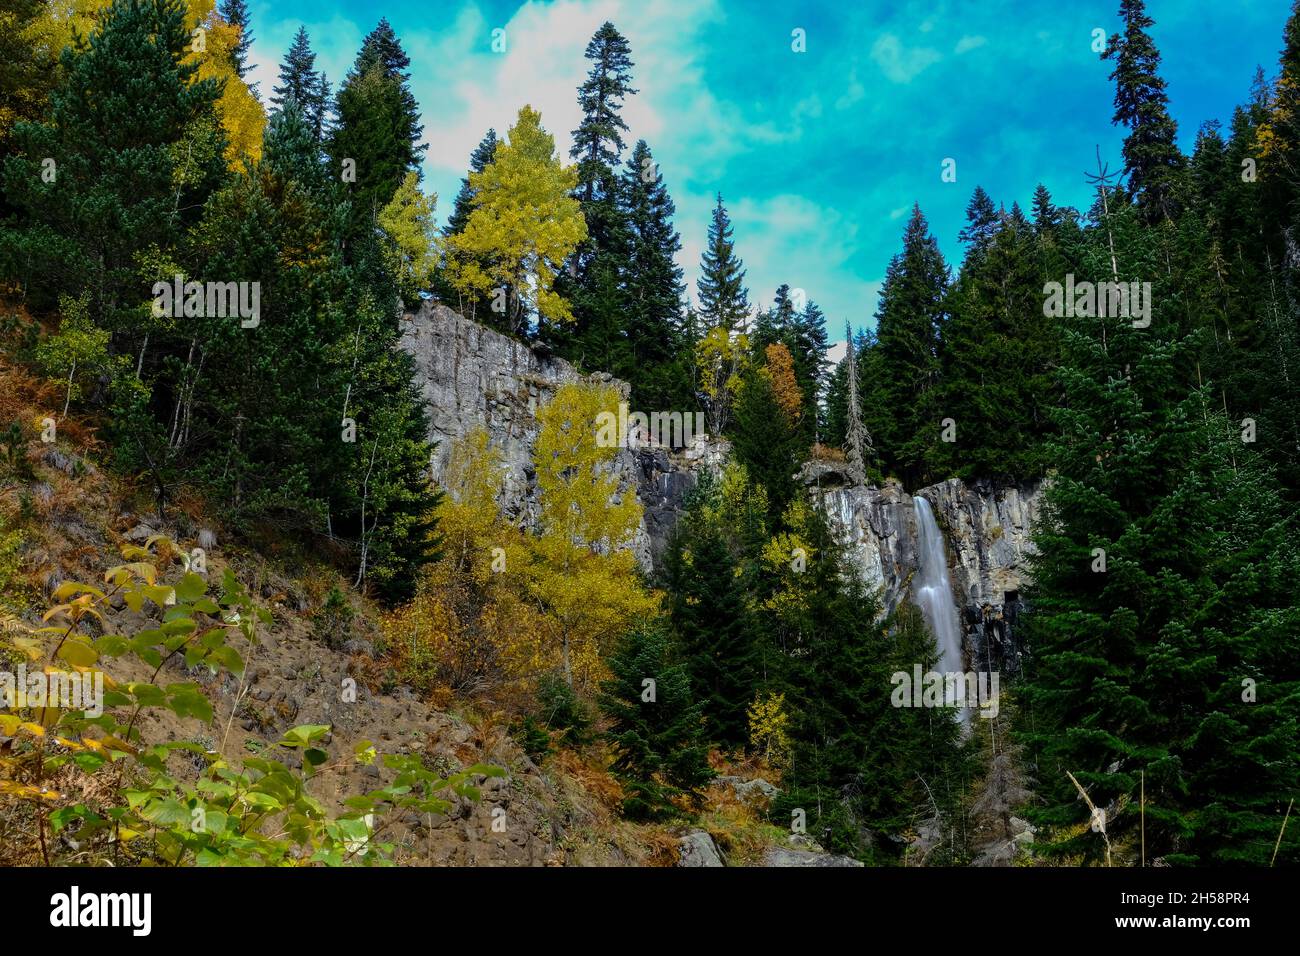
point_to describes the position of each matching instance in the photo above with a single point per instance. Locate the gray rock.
(698, 849)
(474, 377)
(757, 790)
(782, 856)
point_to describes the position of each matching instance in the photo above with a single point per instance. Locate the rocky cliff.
(986, 529)
(472, 377)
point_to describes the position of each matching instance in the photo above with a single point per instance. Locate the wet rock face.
(986, 531)
(473, 377)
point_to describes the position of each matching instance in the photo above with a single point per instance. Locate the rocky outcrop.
(986, 529)
(473, 377)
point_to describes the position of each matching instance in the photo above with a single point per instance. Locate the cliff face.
(472, 377)
(986, 530)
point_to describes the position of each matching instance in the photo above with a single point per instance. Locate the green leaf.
(77, 653)
(191, 587)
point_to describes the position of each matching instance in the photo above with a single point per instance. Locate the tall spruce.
(300, 82)
(598, 337)
(235, 12)
(997, 359)
(656, 728)
(724, 301)
(378, 121)
(1158, 597)
(713, 624)
(903, 397)
(653, 290)
(1151, 156)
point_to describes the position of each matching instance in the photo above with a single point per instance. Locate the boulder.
(784, 856)
(698, 849)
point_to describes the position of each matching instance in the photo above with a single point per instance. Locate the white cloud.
(901, 64)
(968, 43)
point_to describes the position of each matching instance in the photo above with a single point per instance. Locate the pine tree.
(129, 108)
(300, 82)
(724, 302)
(1157, 587)
(235, 12)
(903, 409)
(713, 626)
(657, 729)
(858, 762)
(997, 357)
(653, 290)
(597, 142)
(378, 122)
(981, 222)
(766, 437)
(1151, 156)
(598, 337)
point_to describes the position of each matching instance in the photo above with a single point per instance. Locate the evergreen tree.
(235, 12)
(1151, 156)
(653, 290)
(998, 354)
(981, 222)
(903, 410)
(711, 620)
(656, 728)
(378, 122)
(1157, 591)
(766, 438)
(724, 302)
(300, 82)
(129, 108)
(598, 337)
(859, 763)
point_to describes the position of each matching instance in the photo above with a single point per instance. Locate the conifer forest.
(683, 434)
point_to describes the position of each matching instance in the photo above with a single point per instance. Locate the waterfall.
(932, 590)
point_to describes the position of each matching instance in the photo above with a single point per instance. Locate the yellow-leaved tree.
(584, 577)
(720, 359)
(411, 248)
(212, 49)
(523, 226)
(472, 623)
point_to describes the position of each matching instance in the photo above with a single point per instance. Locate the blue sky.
(818, 155)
